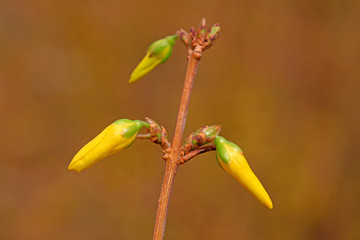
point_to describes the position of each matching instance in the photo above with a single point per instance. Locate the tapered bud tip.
(263, 198)
(75, 166)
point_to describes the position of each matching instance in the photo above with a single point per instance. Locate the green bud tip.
(215, 29)
(223, 147)
(212, 130)
(219, 140)
(133, 128)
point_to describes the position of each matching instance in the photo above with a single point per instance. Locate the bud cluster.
(201, 37)
(158, 134)
(200, 137)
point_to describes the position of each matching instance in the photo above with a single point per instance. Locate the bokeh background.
(282, 80)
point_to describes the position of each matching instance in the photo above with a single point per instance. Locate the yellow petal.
(147, 64)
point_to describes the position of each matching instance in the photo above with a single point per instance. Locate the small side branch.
(157, 134)
(144, 136)
(196, 152)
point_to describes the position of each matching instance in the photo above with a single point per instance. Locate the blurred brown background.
(282, 79)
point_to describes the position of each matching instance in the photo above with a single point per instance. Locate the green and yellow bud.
(158, 52)
(119, 135)
(231, 158)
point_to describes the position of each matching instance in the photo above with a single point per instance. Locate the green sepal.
(144, 124)
(221, 150)
(162, 48)
(158, 46)
(223, 147)
(132, 129)
(218, 161)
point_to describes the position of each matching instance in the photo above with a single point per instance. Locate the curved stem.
(196, 152)
(194, 57)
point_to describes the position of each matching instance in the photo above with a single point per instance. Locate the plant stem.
(170, 171)
(172, 162)
(194, 58)
(198, 151)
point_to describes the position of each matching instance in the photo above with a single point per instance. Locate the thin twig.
(194, 58)
(196, 152)
(143, 136)
(172, 162)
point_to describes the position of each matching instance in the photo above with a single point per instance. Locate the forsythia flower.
(231, 158)
(119, 135)
(157, 53)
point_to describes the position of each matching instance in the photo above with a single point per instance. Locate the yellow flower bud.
(158, 53)
(231, 158)
(119, 135)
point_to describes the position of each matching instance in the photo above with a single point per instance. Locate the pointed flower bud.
(119, 135)
(231, 158)
(158, 52)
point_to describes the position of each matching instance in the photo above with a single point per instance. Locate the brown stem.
(194, 58)
(172, 162)
(170, 171)
(196, 152)
(143, 136)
